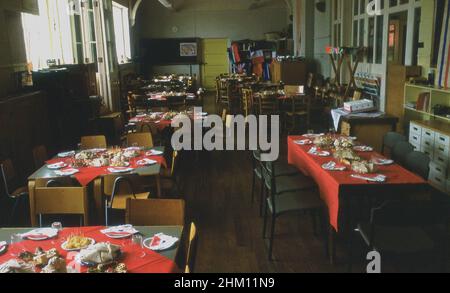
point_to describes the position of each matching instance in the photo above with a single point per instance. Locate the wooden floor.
(217, 187)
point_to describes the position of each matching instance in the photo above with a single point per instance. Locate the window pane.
(379, 37)
(370, 40)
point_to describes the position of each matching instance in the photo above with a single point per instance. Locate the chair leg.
(13, 212)
(40, 220)
(106, 213)
(350, 252)
(272, 232)
(262, 199)
(253, 186)
(265, 223)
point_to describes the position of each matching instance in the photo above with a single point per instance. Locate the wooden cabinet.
(289, 72)
(398, 75)
(369, 131)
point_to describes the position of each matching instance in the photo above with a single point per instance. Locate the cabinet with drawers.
(433, 139)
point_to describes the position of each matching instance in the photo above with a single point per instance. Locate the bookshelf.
(436, 96)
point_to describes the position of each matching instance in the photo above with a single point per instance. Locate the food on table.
(117, 268)
(324, 142)
(169, 115)
(346, 156)
(26, 256)
(56, 265)
(49, 261)
(343, 143)
(363, 167)
(16, 266)
(100, 253)
(77, 242)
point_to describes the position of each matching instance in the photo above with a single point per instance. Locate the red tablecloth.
(152, 262)
(332, 183)
(88, 174)
(160, 124)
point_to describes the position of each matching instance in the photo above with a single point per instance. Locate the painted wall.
(230, 19)
(322, 39)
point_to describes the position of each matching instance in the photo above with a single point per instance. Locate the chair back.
(174, 165)
(131, 103)
(400, 151)
(299, 103)
(418, 163)
(247, 97)
(143, 139)
(155, 212)
(62, 201)
(176, 103)
(39, 156)
(8, 175)
(191, 254)
(268, 104)
(130, 184)
(390, 139)
(91, 142)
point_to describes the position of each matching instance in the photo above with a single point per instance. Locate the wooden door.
(215, 61)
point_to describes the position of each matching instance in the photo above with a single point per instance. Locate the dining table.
(137, 258)
(340, 189)
(93, 177)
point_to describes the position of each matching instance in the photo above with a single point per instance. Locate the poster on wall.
(188, 49)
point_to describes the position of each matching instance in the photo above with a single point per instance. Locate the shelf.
(429, 114)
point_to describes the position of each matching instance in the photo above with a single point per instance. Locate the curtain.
(443, 65)
(48, 35)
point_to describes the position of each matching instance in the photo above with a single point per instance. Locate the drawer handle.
(441, 159)
(439, 170)
(441, 149)
(416, 129)
(438, 180)
(442, 139)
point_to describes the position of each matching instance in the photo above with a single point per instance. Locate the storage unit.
(398, 75)
(433, 138)
(289, 72)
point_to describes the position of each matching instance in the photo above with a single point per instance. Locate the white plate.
(329, 168)
(57, 166)
(40, 234)
(363, 149)
(119, 235)
(161, 247)
(66, 154)
(154, 153)
(146, 162)
(67, 172)
(76, 249)
(3, 249)
(120, 170)
(303, 142)
(321, 154)
(383, 162)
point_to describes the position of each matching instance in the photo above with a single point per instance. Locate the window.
(337, 22)
(48, 35)
(122, 32)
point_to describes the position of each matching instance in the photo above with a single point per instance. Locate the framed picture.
(188, 49)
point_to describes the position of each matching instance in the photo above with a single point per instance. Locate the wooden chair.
(61, 201)
(143, 139)
(118, 188)
(132, 110)
(169, 179)
(143, 127)
(191, 254)
(268, 104)
(298, 111)
(247, 101)
(419, 163)
(155, 212)
(39, 156)
(19, 195)
(92, 142)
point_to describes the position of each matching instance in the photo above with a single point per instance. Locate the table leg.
(31, 186)
(158, 185)
(98, 200)
(332, 246)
